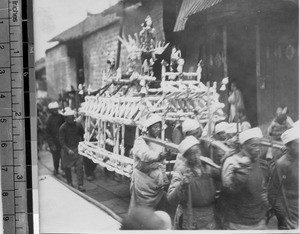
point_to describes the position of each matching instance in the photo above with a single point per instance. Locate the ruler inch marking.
(18, 47)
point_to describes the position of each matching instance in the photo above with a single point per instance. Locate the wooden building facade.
(252, 42)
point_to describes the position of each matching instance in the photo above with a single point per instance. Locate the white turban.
(249, 134)
(221, 127)
(231, 128)
(290, 135)
(190, 125)
(69, 112)
(155, 118)
(187, 143)
(53, 105)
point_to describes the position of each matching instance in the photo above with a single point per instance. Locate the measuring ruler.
(17, 128)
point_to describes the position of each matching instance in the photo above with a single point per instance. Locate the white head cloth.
(53, 105)
(221, 127)
(69, 112)
(190, 125)
(187, 143)
(232, 128)
(249, 134)
(155, 118)
(290, 135)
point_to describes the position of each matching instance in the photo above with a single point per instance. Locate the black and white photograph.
(167, 115)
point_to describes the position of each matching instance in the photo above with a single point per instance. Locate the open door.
(241, 65)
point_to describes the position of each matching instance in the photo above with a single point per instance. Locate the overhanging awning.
(190, 7)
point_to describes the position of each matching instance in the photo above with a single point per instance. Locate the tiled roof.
(92, 23)
(40, 64)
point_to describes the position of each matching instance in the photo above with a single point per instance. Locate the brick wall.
(60, 71)
(97, 44)
(95, 47)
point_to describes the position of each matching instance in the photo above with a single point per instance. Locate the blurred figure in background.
(220, 131)
(53, 123)
(235, 100)
(242, 119)
(89, 165)
(70, 134)
(280, 123)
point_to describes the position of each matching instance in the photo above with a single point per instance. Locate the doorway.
(242, 65)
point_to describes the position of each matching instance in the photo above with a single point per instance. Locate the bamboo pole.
(189, 205)
(104, 134)
(123, 140)
(99, 122)
(208, 109)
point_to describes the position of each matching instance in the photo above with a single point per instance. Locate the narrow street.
(103, 191)
(109, 195)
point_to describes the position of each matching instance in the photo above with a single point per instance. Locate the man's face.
(293, 148)
(193, 155)
(252, 146)
(54, 111)
(233, 87)
(221, 136)
(69, 119)
(155, 130)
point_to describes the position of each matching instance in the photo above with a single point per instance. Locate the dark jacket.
(244, 190)
(53, 124)
(284, 189)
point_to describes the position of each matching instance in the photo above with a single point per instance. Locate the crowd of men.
(247, 187)
(63, 133)
(243, 193)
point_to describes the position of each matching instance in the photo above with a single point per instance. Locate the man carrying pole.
(284, 186)
(192, 189)
(149, 175)
(243, 181)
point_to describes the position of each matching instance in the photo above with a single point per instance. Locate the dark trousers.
(89, 166)
(79, 172)
(56, 157)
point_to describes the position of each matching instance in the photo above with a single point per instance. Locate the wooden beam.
(257, 47)
(224, 29)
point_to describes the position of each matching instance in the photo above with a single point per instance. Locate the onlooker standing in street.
(192, 189)
(89, 165)
(70, 134)
(243, 179)
(284, 186)
(53, 123)
(235, 100)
